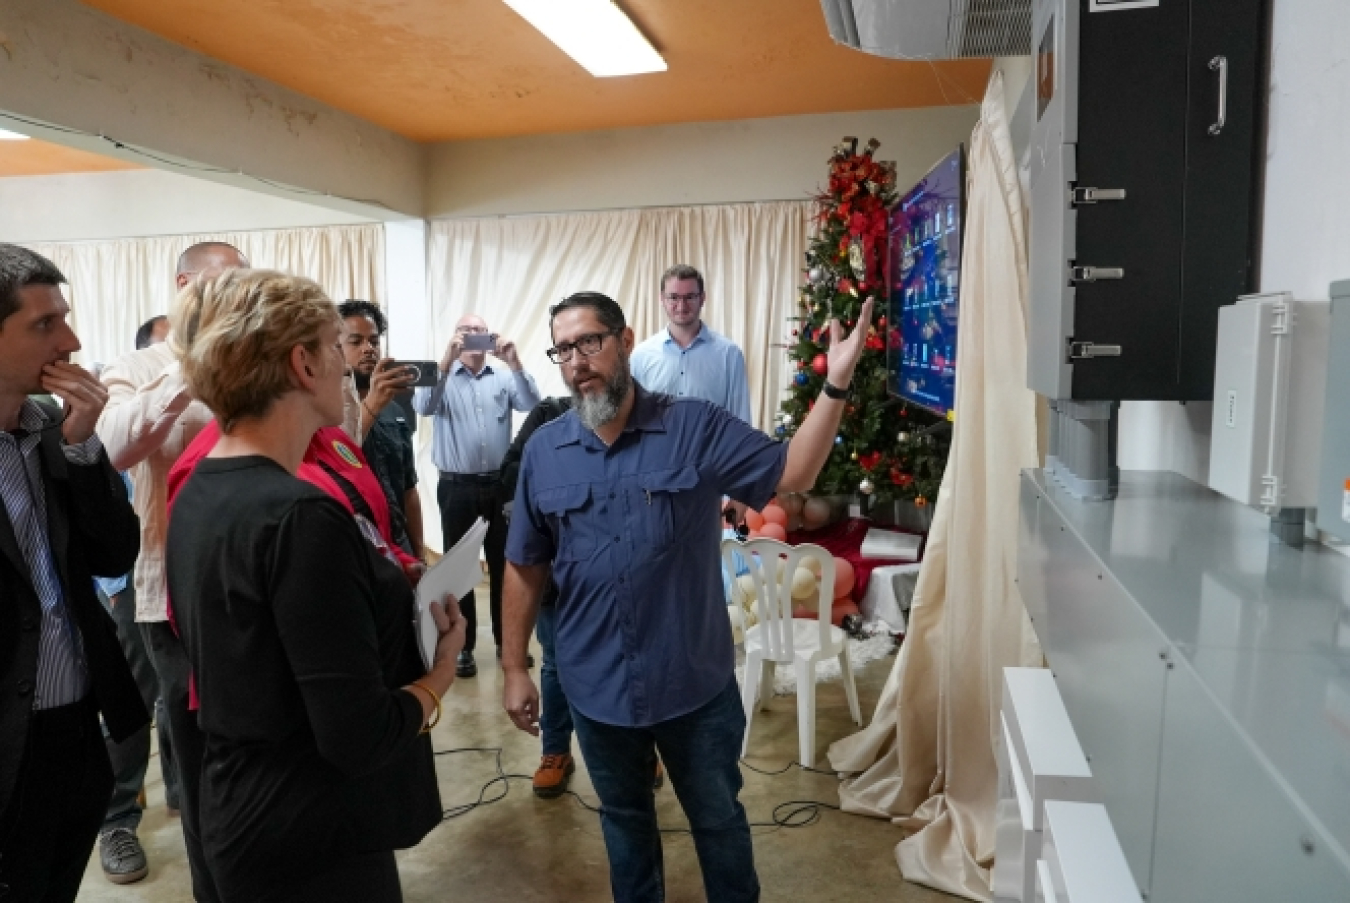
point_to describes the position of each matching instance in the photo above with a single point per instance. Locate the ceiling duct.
(931, 29)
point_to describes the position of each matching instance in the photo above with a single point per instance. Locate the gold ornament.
(853, 456)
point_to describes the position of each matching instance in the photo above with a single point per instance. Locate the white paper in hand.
(457, 573)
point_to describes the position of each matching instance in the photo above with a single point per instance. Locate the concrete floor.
(523, 849)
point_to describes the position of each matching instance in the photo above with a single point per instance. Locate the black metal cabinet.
(1143, 268)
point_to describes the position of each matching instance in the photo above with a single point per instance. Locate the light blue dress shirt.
(711, 368)
(471, 415)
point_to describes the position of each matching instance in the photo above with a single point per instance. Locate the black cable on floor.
(791, 814)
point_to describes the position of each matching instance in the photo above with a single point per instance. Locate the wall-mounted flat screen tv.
(923, 275)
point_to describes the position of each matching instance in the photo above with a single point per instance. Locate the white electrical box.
(1269, 401)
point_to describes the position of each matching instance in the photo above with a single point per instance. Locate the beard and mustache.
(597, 410)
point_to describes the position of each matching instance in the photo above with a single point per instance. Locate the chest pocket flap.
(563, 505)
(660, 488)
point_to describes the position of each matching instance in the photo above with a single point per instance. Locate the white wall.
(1306, 221)
(133, 203)
(779, 158)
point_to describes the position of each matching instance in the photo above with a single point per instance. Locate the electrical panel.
(1269, 401)
(1145, 157)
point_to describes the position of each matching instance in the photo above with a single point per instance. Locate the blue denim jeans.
(555, 717)
(701, 752)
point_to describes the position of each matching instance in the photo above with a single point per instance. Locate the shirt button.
(616, 539)
(25, 687)
(29, 623)
(621, 581)
(611, 495)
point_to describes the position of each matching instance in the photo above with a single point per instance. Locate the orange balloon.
(844, 577)
(775, 515)
(753, 519)
(774, 531)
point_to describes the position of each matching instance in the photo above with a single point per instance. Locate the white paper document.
(457, 573)
(890, 544)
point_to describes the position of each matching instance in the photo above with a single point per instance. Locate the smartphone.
(480, 341)
(425, 373)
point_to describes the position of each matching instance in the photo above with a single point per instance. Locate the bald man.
(148, 421)
(471, 406)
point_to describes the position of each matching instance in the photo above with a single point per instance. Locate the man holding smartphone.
(470, 406)
(388, 445)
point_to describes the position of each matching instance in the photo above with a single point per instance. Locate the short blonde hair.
(234, 334)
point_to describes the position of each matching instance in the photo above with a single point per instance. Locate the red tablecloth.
(844, 540)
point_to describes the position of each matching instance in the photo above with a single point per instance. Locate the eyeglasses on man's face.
(686, 299)
(589, 344)
(476, 330)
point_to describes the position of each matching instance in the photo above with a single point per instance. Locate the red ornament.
(821, 365)
(881, 321)
(794, 332)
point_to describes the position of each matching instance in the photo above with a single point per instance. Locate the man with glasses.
(470, 407)
(617, 500)
(687, 359)
(388, 444)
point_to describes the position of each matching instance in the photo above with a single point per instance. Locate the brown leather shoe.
(553, 776)
(660, 780)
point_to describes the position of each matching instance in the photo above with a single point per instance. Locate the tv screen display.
(924, 276)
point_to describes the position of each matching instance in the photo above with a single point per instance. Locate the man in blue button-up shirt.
(687, 359)
(470, 407)
(620, 496)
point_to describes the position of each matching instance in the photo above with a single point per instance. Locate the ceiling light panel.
(11, 136)
(595, 33)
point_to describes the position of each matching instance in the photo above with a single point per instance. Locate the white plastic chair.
(779, 638)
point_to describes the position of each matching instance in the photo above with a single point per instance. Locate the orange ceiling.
(38, 158)
(449, 70)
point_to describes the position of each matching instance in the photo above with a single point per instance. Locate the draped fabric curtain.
(510, 270)
(927, 759)
(117, 285)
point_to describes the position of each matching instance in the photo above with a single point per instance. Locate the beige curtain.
(927, 759)
(115, 286)
(509, 270)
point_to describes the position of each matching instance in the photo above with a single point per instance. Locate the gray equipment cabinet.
(1206, 671)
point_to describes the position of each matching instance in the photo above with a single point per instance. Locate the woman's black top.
(300, 635)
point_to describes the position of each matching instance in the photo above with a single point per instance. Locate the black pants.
(48, 829)
(131, 757)
(189, 745)
(461, 504)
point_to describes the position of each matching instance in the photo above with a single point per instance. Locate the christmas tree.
(885, 449)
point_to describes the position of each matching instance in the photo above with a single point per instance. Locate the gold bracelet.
(436, 718)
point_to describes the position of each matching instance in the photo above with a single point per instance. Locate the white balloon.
(803, 583)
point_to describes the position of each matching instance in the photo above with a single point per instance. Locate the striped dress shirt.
(62, 676)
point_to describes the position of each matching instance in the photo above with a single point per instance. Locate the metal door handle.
(1220, 65)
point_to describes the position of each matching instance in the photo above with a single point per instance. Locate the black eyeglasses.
(688, 299)
(589, 344)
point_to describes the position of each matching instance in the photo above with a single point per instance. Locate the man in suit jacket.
(64, 519)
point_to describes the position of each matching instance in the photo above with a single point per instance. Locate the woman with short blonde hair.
(313, 697)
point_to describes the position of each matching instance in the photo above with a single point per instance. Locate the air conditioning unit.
(931, 29)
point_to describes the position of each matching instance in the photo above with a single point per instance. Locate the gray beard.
(597, 410)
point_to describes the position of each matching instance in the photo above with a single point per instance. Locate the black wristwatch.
(837, 393)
